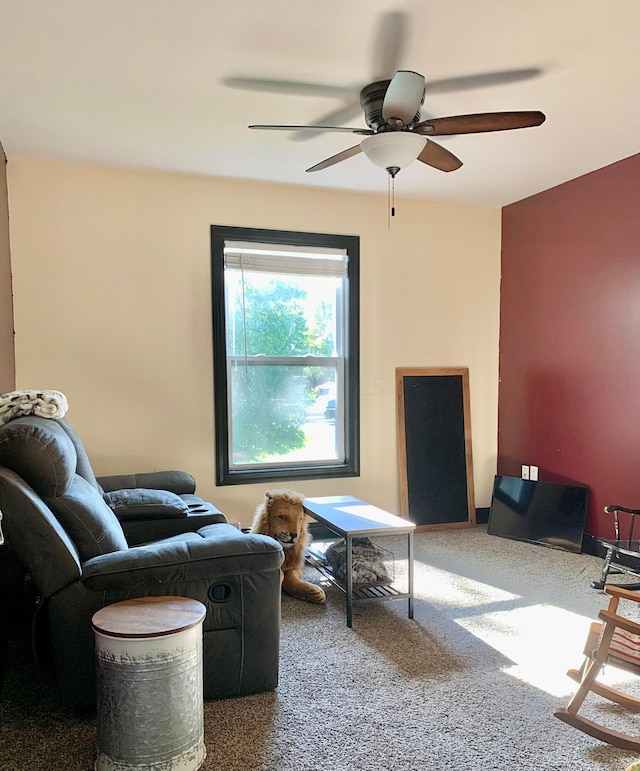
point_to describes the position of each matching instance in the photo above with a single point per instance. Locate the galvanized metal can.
(150, 712)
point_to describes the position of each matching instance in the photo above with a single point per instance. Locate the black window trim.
(220, 234)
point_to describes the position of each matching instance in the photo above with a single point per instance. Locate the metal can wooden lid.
(148, 616)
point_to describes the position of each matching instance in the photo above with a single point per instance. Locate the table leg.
(349, 580)
(410, 572)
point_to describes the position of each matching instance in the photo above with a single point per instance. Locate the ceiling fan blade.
(481, 80)
(389, 45)
(437, 156)
(349, 153)
(290, 87)
(344, 129)
(480, 122)
(403, 97)
(343, 114)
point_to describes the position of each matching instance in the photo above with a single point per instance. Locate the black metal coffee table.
(351, 518)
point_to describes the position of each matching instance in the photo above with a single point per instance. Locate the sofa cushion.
(141, 503)
(39, 450)
(91, 524)
(83, 466)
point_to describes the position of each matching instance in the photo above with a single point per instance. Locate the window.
(286, 364)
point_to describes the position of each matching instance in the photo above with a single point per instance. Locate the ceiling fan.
(388, 50)
(396, 136)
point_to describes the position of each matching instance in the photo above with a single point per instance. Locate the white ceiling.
(140, 83)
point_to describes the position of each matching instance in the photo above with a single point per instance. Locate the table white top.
(349, 515)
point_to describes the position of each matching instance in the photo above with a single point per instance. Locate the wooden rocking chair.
(614, 640)
(624, 544)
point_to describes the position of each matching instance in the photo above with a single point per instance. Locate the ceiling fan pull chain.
(393, 195)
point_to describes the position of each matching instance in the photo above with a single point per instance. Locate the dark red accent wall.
(569, 394)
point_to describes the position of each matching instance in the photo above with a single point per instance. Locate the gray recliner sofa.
(89, 542)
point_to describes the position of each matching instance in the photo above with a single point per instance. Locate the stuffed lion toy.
(282, 516)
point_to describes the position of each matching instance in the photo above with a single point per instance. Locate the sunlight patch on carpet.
(543, 641)
(441, 587)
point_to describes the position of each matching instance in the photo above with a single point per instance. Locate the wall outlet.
(525, 472)
(533, 473)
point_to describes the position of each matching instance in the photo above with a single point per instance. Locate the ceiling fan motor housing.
(371, 100)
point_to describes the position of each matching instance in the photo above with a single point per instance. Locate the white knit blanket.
(44, 404)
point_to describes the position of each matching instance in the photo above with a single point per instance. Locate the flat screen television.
(539, 512)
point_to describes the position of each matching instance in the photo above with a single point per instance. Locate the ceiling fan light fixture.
(393, 149)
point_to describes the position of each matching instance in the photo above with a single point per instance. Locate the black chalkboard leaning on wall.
(434, 447)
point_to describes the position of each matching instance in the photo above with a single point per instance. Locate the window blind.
(285, 259)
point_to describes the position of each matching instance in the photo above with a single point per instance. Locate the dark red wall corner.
(569, 392)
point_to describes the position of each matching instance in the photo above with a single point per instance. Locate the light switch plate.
(533, 472)
(525, 472)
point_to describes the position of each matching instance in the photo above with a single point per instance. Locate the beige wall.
(112, 306)
(7, 361)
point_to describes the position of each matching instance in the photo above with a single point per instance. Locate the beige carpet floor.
(470, 683)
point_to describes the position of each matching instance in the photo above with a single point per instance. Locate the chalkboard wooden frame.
(434, 428)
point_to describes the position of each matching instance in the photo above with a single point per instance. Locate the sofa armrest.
(215, 550)
(178, 482)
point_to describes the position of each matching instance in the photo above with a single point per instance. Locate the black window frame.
(350, 467)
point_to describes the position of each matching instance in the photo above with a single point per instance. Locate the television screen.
(539, 512)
